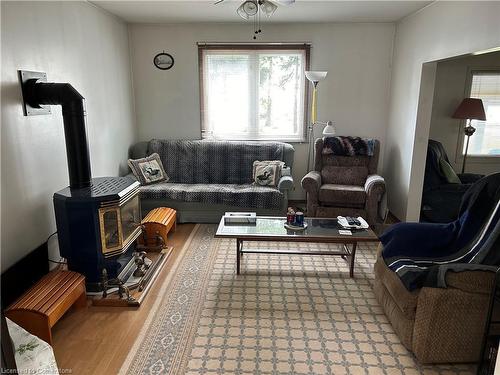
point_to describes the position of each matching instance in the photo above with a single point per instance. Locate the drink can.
(299, 218)
(290, 217)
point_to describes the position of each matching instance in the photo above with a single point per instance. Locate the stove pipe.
(73, 112)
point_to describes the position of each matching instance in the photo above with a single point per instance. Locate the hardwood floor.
(96, 340)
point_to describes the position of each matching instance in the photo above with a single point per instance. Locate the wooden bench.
(45, 303)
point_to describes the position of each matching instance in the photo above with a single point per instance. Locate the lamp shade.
(315, 76)
(329, 128)
(470, 109)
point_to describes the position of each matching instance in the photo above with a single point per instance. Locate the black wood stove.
(98, 219)
(97, 227)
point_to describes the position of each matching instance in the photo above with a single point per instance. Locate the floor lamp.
(470, 109)
(314, 77)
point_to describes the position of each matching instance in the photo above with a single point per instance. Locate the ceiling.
(302, 11)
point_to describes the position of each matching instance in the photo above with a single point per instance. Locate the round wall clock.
(163, 61)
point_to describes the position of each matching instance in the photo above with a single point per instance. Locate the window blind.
(486, 140)
(255, 92)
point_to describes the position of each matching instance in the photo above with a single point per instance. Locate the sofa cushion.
(343, 195)
(213, 162)
(246, 195)
(344, 175)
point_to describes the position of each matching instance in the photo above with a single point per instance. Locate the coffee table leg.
(353, 254)
(238, 254)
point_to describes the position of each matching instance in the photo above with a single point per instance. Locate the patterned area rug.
(282, 315)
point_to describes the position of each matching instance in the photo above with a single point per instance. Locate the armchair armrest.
(475, 278)
(373, 183)
(285, 183)
(376, 202)
(470, 178)
(311, 182)
(131, 175)
(452, 188)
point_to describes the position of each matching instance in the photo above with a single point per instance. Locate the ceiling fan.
(253, 9)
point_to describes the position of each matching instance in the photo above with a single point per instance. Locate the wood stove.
(98, 219)
(97, 227)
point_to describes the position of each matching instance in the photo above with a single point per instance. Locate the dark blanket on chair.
(413, 250)
(348, 146)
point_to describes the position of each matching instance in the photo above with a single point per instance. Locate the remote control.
(353, 221)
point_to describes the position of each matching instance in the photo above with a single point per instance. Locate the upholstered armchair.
(345, 185)
(440, 198)
(438, 325)
(434, 281)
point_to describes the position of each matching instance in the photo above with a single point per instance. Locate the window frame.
(302, 47)
(484, 159)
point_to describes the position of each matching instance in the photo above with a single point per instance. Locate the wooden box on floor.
(46, 302)
(157, 224)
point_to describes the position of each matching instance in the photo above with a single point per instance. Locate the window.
(253, 92)
(486, 140)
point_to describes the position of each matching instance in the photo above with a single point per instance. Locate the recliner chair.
(441, 199)
(345, 185)
(442, 323)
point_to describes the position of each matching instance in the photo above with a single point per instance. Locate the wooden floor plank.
(96, 340)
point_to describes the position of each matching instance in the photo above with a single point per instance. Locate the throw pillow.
(448, 172)
(267, 172)
(148, 170)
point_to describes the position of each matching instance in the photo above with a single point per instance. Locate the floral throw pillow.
(267, 172)
(148, 170)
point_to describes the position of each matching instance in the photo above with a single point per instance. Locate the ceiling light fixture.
(248, 9)
(268, 8)
(252, 9)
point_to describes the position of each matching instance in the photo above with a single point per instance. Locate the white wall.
(451, 87)
(354, 95)
(441, 30)
(72, 42)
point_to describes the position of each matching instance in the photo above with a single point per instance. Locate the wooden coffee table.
(318, 230)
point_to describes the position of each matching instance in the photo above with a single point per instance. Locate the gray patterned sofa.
(208, 178)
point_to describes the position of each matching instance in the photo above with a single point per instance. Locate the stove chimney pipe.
(73, 111)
